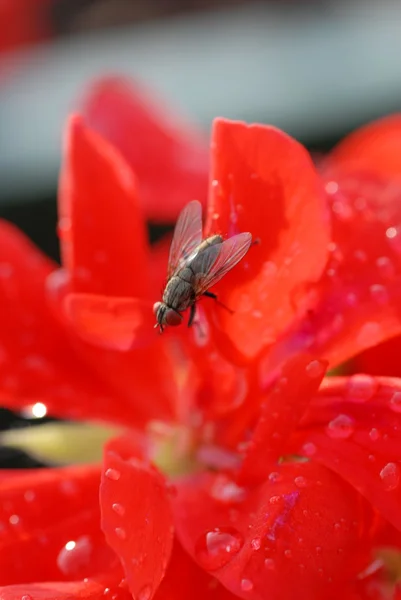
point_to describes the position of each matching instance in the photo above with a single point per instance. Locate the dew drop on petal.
(341, 427)
(246, 585)
(269, 563)
(395, 402)
(287, 553)
(227, 491)
(29, 496)
(75, 555)
(118, 509)
(309, 449)
(275, 499)
(145, 593)
(14, 520)
(26, 597)
(385, 267)
(274, 477)
(361, 388)
(379, 294)
(300, 482)
(113, 474)
(256, 544)
(315, 369)
(374, 434)
(390, 476)
(121, 533)
(216, 548)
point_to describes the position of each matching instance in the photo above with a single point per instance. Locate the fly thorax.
(178, 294)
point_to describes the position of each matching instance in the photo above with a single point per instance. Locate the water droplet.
(361, 388)
(216, 548)
(395, 402)
(374, 434)
(113, 474)
(315, 369)
(26, 597)
(74, 556)
(29, 496)
(14, 520)
(145, 593)
(341, 427)
(121, 533)
(274, 477)
(309, 449)
(119, 509)
(256, 544)
(391, 233)
(287, 553)
(385, 267)
(269, 563)
(331, 187)
(215, 216)
(390, 475)
(300, 482)
(275, 499)
(246, 585)
(227, 491)
(318, 549)
(379, 293)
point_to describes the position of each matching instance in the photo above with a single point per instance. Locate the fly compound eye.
(156, 307)
(173, 318)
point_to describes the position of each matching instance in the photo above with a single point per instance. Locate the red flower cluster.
(243, 473)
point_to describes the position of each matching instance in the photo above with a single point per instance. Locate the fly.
(195, 264)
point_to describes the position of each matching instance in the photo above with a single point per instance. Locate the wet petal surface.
(304, 528)
(50, 526)
(136, 516)
(353, 427)
(264, 182)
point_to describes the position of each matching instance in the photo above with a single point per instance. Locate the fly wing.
(187, 235)
(230, 252)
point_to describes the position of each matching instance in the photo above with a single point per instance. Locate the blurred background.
(316, 68)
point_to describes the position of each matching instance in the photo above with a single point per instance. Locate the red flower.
(22, 22)
(265, 486)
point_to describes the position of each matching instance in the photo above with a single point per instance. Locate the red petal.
(136, 516)
(103, 236)
(264, 182)
(37, 362)
(376, 147)
(353, 428)
(148, 364)
(280, 414)
(119, 323)
(23, 22)
(305, 529)
(72, 590)
(169, 158)
(43, 510)
(356, 304)
(383, 359)
(184, 579)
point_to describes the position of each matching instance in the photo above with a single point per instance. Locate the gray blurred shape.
(307, 70)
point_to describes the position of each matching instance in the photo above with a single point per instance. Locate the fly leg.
(211, 295)
(192, 315)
